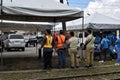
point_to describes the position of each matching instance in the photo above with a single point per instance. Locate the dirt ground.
(33, 63)
(26, 63)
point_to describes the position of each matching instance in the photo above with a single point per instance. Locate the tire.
(23, 49)
(7, 49)
(34, 44)
(26, 45)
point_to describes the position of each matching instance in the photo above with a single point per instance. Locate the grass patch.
(17, 64)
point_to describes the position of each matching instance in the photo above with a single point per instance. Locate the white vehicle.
(15, 41)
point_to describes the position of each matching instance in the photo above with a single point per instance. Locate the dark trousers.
(39, 52)
(97, 54)
(104, 54)
(47, 57)
(113, 55)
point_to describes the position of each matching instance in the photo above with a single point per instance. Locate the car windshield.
(16, 37)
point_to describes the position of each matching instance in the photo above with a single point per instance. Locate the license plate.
(16, 42)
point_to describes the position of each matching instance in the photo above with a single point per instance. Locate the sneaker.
(101, 61)
(117, 64)
(72, 67)
(90, 65)
(77, 66)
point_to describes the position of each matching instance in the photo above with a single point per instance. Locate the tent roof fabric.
(25, 27)
(38, 10)
(94, 21)
(100, 21)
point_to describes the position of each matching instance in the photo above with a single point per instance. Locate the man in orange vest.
(47, 49)
(61, 50)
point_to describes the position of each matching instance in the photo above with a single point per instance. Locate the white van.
(15, 41)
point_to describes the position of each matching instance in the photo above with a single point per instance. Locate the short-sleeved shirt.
(73, 42)
(105, 43)
(112, 48)
(90, 39)
(97, 40)
(118, 43)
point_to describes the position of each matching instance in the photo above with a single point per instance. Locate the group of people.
(106, 44)
(93, 45)
(59, 43)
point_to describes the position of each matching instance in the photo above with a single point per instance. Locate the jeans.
(61, 58)
(47, 58)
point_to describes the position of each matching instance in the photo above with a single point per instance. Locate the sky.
(107, 7)
(79, 3)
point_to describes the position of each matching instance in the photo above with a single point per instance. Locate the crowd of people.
(100, 44)
(107, 45)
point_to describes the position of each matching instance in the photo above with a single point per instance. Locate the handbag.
(83, 46)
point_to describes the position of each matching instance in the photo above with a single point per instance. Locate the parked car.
(14, 41)
(32, 41)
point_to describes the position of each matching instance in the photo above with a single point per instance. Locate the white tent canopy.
(38, 10)
(94, 21)
(99, 21)
(20, 25)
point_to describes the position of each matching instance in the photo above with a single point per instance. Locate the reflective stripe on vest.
(60, 43)
(48, 43)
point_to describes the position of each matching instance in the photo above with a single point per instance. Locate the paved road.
(29, 52)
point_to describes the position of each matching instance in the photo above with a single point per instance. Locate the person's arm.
(68, 42)
(43, 41)
(88, 39)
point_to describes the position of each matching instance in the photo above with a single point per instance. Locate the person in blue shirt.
(104, 48)
(114, 38)
(112, 51)
(118, 51)
(111, 37)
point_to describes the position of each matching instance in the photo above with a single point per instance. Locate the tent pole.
(54, 34)
(64, 27)
(1, 48)
(1, 6)
(83, 27)
(1, 34)
(83, 35)
(54, 26)
(36, 43)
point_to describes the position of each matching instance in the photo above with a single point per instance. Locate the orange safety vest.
(60, 42)
(48, 43)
